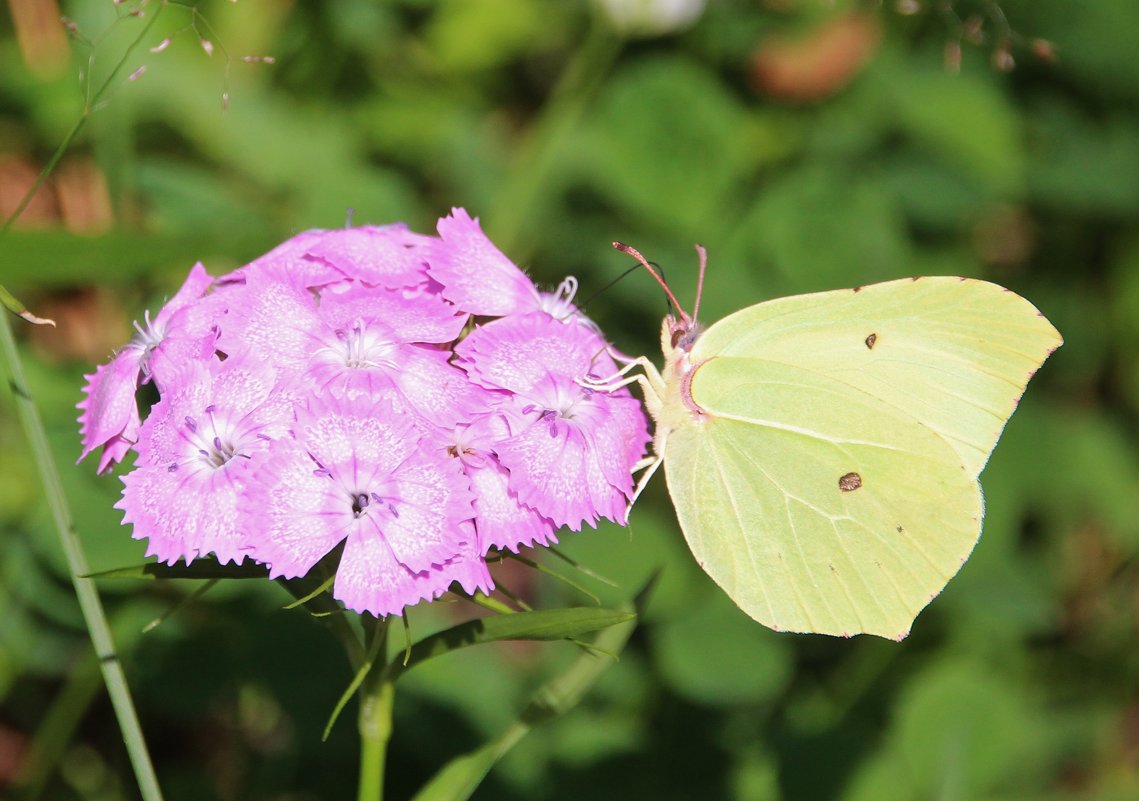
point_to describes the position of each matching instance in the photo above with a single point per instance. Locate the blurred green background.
(808, 145)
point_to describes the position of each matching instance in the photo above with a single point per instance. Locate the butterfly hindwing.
(819, 514)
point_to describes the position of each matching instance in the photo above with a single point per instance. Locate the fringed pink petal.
(469, 568)
(549, 472)
(114, 451)
(109, 410)
(186, 512)
(440, 392)
(419, 508)
(167, 360)
(476, 276)
(293, 511)
(414, 315)
(292, 257)
(617, 431)
(518, 352)
(389, 256)
(161, 440)
(158, 505)
(371, 579)
(192, 289)
(502, 521)
(274, 317)
(355, 437)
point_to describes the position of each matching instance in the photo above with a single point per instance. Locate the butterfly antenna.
(700, 280)
(632, 251)
(667, 302)
(594, 295)
(584, 305)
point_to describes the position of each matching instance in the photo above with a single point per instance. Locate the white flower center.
(362, 348)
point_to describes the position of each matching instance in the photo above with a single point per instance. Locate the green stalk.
(377, 700)
(85, 590)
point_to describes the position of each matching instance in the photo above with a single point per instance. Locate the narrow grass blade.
(89, 602)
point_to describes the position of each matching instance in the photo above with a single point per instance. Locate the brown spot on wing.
(870, 340)
(850, 482)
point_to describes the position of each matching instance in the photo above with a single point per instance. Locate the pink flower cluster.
(414, 397)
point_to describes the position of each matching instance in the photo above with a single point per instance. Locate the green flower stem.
(376, 703)
(85, 590)
(377, 700)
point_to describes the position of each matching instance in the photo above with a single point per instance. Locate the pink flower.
(330, 395)
(110, 415)
(571, 450)
(195, 449)
(357, 473)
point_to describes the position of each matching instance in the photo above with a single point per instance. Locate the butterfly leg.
(650, 379)
(653, 462)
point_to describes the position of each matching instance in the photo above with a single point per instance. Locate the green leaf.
(751, 664)
(961, 730)
(812, 224)
(13, 304)
(552, 624)
(469, 35)
(670, 144)
(460, 777)
(962, 119)
(198, 569)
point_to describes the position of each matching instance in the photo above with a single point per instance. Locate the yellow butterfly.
(822, 451)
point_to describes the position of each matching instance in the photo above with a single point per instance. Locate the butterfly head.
(680, 330)
(681, 333)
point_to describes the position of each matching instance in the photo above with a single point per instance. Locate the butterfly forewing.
(954, 354)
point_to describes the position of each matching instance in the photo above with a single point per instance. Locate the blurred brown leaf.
(42, 40)
(813, 67)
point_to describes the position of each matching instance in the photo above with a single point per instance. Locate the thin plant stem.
(85, 590)
(377, 700)
(90, 104)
